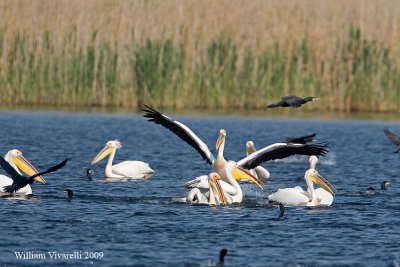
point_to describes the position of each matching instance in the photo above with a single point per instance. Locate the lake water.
(138, 224)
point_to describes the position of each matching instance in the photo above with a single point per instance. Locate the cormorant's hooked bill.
(292, 101)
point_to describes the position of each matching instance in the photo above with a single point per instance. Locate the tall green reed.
(361, 75)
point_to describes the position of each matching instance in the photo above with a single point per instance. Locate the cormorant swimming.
(89, 173)
(222, 255)
(69, 192)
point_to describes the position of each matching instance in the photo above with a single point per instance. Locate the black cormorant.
(20, 181)
(292, 101)
(69, 192)
(302, 139)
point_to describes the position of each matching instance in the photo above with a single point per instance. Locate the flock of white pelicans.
(221, 186)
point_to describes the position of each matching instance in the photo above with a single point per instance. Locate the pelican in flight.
(133, 170)
(18, 162)
(259, 171)
(275, 151)
(298, 197)
(215, 193)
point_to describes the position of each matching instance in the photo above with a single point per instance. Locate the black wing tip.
(319, 149)
(149, 110)
(151, 113)
(9, 189)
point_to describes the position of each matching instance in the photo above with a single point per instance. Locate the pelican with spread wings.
(271, 152)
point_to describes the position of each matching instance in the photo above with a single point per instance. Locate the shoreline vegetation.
(198, 55)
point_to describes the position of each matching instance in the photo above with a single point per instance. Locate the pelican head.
(313, 161)
(250, 148)
(214, 179)
(15, 158)
(239, 174)
(221, 138)
(316, 178)
(110, 146)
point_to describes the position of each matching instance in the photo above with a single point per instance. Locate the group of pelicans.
(219, 187)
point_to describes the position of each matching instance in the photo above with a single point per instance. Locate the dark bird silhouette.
(384, 186)
(394, 138)
(281, 210)
(302, 140)
(292, 101)
(70, 193)
(20, 181)
(222, 255)
(89, 173)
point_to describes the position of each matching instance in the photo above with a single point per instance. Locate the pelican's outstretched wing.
(180, 130)
(395, 139)
(280, 151)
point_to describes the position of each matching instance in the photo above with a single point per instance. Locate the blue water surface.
(136, 223)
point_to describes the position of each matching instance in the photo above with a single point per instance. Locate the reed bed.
(200, 54)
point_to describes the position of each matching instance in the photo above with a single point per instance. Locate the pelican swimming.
(18, 162)
(235, 194)
(259, 171)
(20, 181)
(134, 170)
(232, 190)
(298, 197)
(275, 151)
(215, 194)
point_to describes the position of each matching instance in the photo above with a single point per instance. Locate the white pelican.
(18, 162)
(123, 170)
(232, 190)
(326, 198)
(298, 197)
(235, 195)
(275, 151)
(259, 171)
(215, 194)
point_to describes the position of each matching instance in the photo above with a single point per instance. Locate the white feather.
(132, 169)
(324, 196)
(290, 197)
